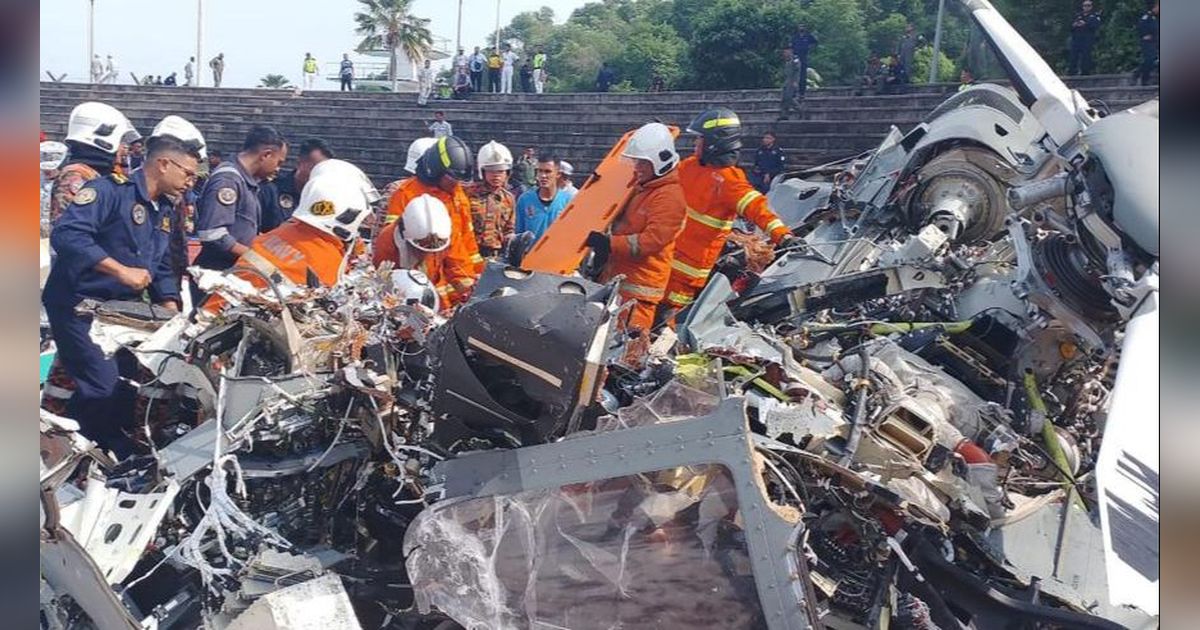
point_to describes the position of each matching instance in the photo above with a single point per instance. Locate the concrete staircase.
(373, 130)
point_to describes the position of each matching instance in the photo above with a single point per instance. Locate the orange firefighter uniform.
(433, 265)
(295, 251)
(643, 243)
(716, 197)
(463, 264)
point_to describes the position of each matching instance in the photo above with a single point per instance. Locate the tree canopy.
(714, 44)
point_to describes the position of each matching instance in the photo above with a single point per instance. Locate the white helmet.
(565, 168)
(350, 172)
(183, 131)
(653, 142)
(415, 151)
(425, 225)
(413, 286)
(97, 125)
(494, 156)
(52, 154)
(334, 200)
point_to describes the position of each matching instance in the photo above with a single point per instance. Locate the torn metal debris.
(936, 411)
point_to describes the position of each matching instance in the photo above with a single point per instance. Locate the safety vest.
(494, 62)
(539, 60)
(310, 65)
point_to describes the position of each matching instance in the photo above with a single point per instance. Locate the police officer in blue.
(279, 195)
(229, 212)
(1085, 27)
(113, 244)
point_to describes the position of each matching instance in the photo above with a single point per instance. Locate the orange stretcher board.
(593, 209)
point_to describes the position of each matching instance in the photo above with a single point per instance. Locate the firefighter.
(493, 207)
(313, 246)
(717, 193)
(642, 242)
(440, 173)
(94, 134)
(419, 241)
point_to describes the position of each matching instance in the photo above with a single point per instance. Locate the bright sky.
(258, 37)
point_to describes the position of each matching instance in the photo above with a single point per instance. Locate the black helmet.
(448, 155)
(722, 132)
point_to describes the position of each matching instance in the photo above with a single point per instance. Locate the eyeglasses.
(191, 175)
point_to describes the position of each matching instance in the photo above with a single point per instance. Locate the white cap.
(182, 130)
(334, 200)
(653, 142)
(425, 225)
(98, 125)
(52, 154)
(565, 168)
(415, 151)
(494, 156)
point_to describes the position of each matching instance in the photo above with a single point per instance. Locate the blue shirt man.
(229, 213)
(113, 243)
(538, 207)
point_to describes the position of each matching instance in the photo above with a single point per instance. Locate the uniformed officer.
(229, 213)
(279, 195)
(1147, 30)
(112, 244)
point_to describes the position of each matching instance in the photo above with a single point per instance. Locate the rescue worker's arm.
(164, 287)
(395, 206)
(74, 238)
(64, 191)
(665, 220)
(753, 205)
(384, 247)
(463, 264)
(214, 217)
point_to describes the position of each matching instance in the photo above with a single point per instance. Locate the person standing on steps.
(218, 68)
(802, 43)
(526, 78)
(346, 73)
(604, 77)
(1084, 28)
(476, 66)
(189, 72)
(509, 59)
(792, 82)
(539, 68)
(440, 128)
(310, 71)
(906, 52)
(494, 63)
(97, 69)
(424, 84)
(1147, 30)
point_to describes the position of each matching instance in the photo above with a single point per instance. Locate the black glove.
(600, 243)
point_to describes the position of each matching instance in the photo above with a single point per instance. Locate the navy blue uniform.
(229, 212)
(801, 44)
(767, 164)
(110, 217)
(1147, 30)
(278, 198)
(1083, 38)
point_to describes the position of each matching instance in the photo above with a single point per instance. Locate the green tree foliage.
(716, 44)
(390, 25)
(274, 81)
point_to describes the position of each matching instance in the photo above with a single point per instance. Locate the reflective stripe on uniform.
(775, 224)
(268, 268)
(476, 258)
(688, 270)
(54, 391)
(641, 292)
(711, 222)
(635, 248)
(746, 199)
(678, 299)
(215, 234)
(389, 218)
(443, 153)
(720, 122)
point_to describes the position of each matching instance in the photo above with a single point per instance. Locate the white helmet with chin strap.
(654, 143)
(424, 225)
(336, 199)
(179, 128)
(98, 125)
(415, 150)
(493, 156)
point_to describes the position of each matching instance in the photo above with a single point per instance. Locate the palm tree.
(388, 25)
(274, 81)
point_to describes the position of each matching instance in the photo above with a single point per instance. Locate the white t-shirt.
(510, 59)
(440, 129)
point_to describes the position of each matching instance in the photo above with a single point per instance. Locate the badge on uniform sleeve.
(138, 214)
(165, 224)
(286, 202)
(227, 196)
(85, 196)
(322, 208)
